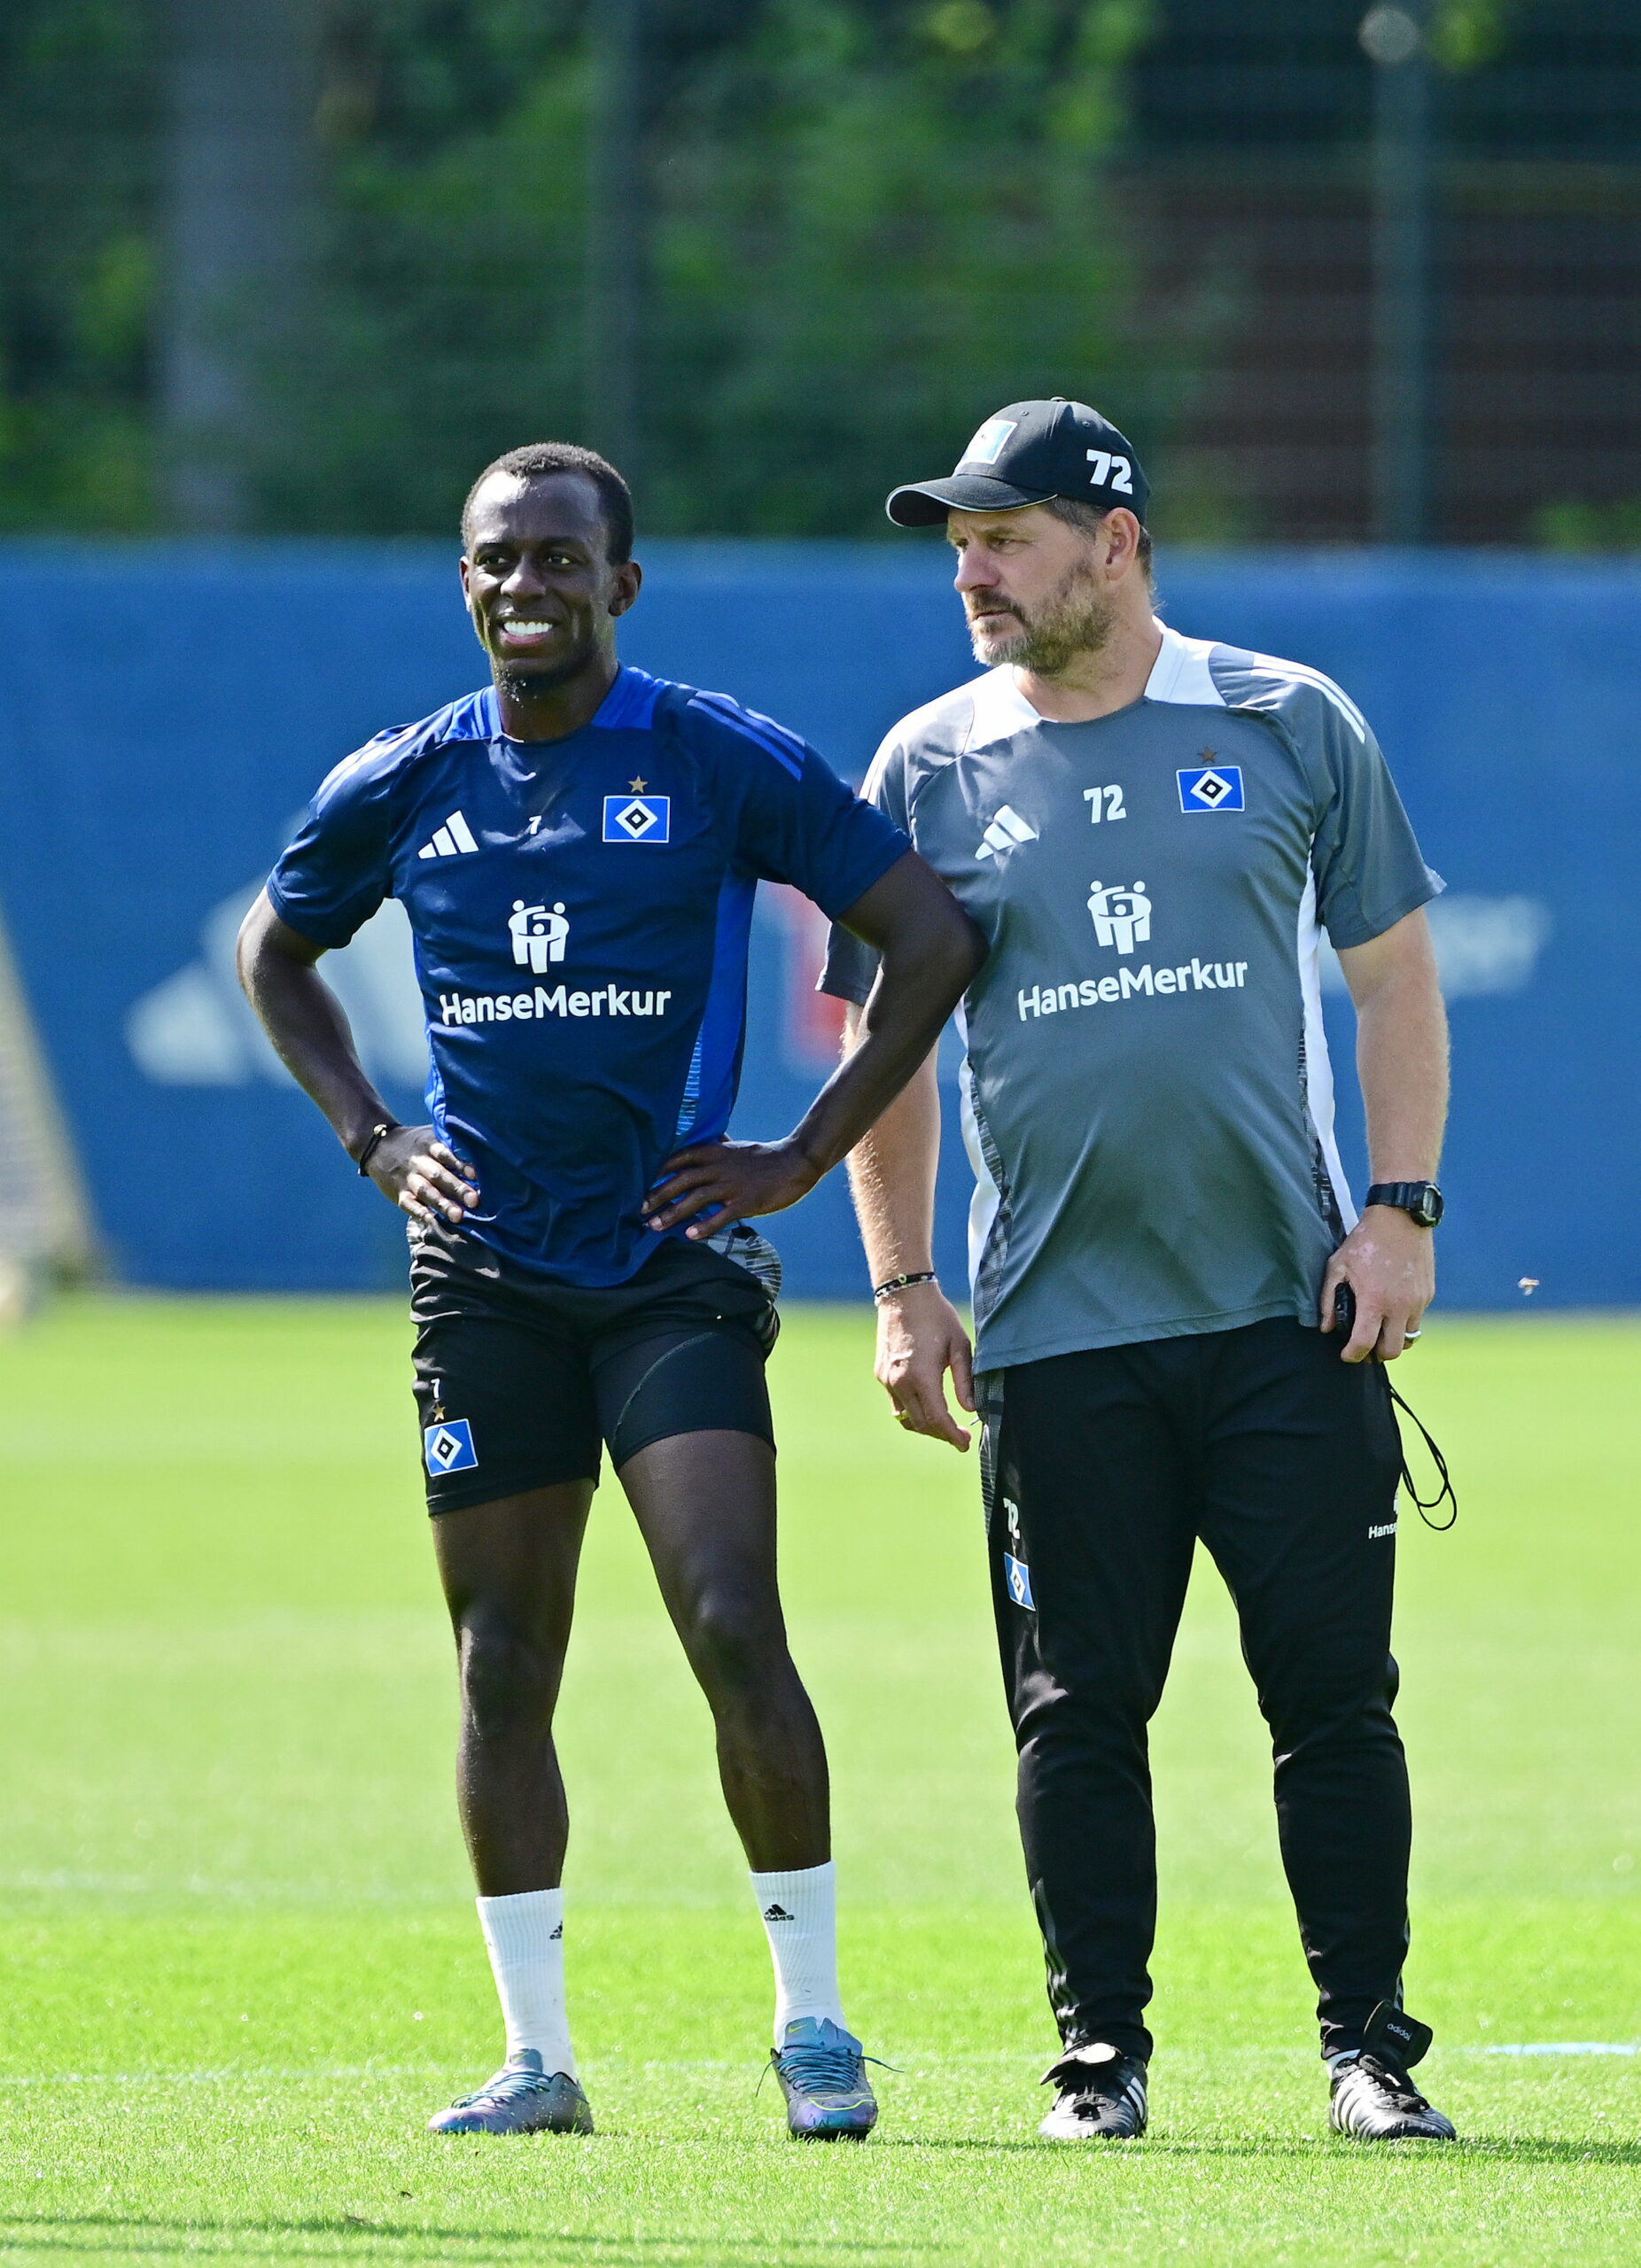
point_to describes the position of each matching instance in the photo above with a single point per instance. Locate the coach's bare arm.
(920, 1333)
(1401, 1059)
(305, 1020)
(927, 950)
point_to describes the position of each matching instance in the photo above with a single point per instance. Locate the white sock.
(799, 1907)
(525, 1936)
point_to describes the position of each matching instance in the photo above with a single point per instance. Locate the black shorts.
(518, 1380)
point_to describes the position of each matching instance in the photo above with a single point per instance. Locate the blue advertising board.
(165, 711)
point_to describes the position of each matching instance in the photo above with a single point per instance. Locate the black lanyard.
(1445, 1494)
(1344, 1320)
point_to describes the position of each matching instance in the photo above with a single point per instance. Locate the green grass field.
(241, 1966)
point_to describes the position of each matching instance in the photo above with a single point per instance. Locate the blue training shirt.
(581, 910)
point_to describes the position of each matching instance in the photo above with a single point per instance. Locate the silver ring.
(1413, 1334)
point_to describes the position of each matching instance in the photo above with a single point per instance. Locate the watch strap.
(1412, 1197)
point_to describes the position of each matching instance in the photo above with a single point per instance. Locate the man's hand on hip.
(920, 1338)
(1389, 1263)
(724, 1181)
(421, 1174)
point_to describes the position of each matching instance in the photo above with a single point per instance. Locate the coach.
(1155, 832)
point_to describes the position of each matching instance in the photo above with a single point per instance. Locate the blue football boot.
(823, 2073)
(521, 2099)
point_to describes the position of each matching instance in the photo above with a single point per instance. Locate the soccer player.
(1154, 831)
(577, 848)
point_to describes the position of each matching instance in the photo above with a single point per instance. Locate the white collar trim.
(1180, 674)
(1180, 671)
(1001, 709)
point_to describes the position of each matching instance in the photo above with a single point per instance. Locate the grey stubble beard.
(1062, 631)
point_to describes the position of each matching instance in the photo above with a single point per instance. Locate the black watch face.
(1427, 1211)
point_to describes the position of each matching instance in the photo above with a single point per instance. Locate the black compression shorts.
(517, 1381)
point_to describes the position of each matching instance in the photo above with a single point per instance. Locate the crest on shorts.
(1018, 1576)
(448, 1447)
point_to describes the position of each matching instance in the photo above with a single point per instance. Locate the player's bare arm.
(306, 1022)
(920, 1336)
(1387, 1259)
(929, 949)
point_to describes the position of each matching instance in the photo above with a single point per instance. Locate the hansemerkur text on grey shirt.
(1147, 1099)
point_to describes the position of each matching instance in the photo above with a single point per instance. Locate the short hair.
(1077, 513)
(536, 460)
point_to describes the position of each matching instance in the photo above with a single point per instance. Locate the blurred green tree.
(869, 222)
(79, 99)
(868, 225)
(444, 318)
(875, 227)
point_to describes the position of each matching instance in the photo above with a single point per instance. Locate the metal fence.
(1353, 269)
(1414, 283)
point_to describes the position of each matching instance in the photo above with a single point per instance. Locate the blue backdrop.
(166, 711)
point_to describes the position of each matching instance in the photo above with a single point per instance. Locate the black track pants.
(1102, 1469)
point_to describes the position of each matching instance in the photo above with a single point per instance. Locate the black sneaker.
(1376, 2102)
(1100, 2097)
(1372, 2097)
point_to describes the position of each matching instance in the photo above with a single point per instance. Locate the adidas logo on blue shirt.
(449, 840)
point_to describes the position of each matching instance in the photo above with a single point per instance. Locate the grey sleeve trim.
(850, 969)
(1374, 925)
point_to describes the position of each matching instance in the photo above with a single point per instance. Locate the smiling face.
(1037, 590)
(542, 592)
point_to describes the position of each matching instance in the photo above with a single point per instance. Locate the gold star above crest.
(636, 787)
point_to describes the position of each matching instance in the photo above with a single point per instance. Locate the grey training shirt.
(1148, 1101)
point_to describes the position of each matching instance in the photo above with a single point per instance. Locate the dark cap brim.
(926, 503)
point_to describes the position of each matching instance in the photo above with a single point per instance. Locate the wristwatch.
(1420, 1201)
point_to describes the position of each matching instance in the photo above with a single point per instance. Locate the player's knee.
(736, 1647)
(509, 1682)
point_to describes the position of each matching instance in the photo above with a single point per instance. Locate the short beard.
(527, 681)
(524, 685)
(1071, 623)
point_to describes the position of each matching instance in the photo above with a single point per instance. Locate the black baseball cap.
(1026, 454)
